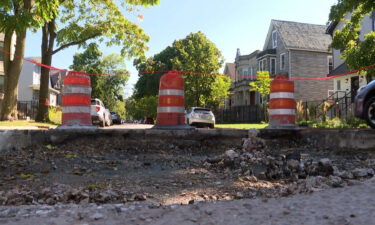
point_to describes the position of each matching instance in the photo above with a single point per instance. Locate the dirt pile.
(301, 169)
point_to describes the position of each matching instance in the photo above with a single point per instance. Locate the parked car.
(99, 114)
(200, 117)
(365, 103)
(116, 118)
(149, 120)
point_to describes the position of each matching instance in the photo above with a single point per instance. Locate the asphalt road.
(130, 126)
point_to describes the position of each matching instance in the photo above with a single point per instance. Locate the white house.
(29, 84)
(350, 83)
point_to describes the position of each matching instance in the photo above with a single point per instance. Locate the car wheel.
(370, 112)
(212, 126)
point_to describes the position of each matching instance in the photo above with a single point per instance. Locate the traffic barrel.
(76, 101)
(171, 102)
(282, 105)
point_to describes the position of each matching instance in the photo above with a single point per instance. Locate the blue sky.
(230, 24)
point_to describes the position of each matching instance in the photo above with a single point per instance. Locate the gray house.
(298, 50)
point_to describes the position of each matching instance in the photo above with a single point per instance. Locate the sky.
(230, 24)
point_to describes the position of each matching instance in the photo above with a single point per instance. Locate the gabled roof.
(249, 56)
(343, 68)
(301, 36)
(230, 69)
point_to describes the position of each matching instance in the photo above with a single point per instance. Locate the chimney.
(238, 52)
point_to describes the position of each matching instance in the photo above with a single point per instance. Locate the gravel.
(349, 205)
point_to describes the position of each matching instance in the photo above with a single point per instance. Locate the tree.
(97, 20)
(145, 106)
(262, 85)
(109, 89)
(195, 53)
(356, 53)
(148, 84)
(16, 17)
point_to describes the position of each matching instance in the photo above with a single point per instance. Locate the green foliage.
(19, 15)
(148, 84)
(356, 53)
(195, 53)
(104, 21)
(109, 89)
(336, 123)
(55, 115)
(145, 106)
(262, 84)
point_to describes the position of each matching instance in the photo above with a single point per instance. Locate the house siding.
(310, 64)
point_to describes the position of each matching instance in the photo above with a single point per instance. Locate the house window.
(260, 65)
(274, 39)
(1, 53)
(273, 66)
(338, 84)
(282, 61)
(330, 63)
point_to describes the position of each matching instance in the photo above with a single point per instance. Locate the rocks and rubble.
(257, 161)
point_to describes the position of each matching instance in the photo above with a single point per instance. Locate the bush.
(55, 114)
(336, 122)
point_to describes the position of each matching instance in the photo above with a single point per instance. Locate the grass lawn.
(21, 123)
(243, 126)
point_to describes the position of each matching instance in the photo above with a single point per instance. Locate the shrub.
(55, 114)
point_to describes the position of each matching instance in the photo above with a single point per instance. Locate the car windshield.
(93, 102)
(201, 110)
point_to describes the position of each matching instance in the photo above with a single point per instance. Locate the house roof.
(253, 54)
(230, 69)
(343, 68)
(301, 36)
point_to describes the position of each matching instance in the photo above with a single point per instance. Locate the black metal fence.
(27, 109)
(340, 106)
(240, 114)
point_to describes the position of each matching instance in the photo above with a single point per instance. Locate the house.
(348, 84)
(229, 70)
(243, 71)
(299, 50)
(29, 83)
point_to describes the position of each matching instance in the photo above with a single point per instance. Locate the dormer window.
(274, 39)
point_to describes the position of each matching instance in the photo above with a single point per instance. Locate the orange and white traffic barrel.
(76, 101)
(171, 102)
(282, 105)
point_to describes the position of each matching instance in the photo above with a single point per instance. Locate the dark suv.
(365, 103)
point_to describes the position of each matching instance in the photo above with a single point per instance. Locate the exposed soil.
(107, 170)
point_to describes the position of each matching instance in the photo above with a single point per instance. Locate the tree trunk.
(12, 70)
(48, 40)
